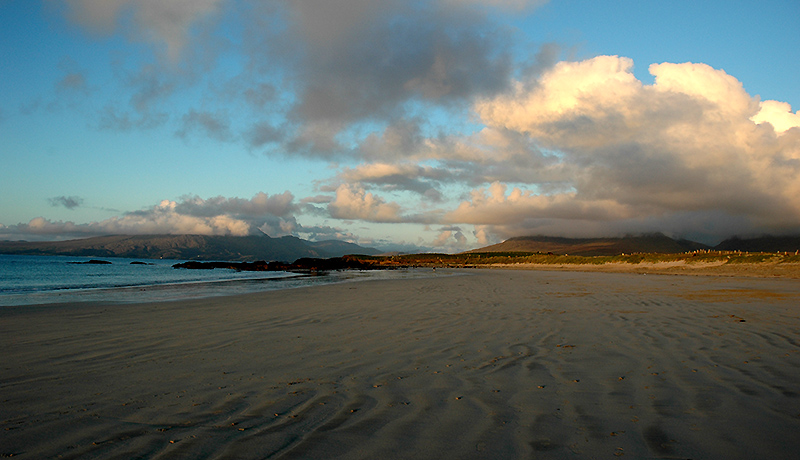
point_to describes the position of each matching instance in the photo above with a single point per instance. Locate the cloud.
(692, 142)
(778, 114)
(590, 149)
(161, 219)
(420, 179)
(450, 239)
(262, 204)
(263, 133)
(318, 199)
(213, 125)
(400, 138)
(150, 86)
(355, 203)
(365, 61)
(272, 214)
(74, 81)
(167, 218)
(509, 5)
(493, 206)
(317, 77)
(483, 235)
(112, 118)
(427, 99)
(69, 202)
(166, 24)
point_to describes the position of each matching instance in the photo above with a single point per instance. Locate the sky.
(405, 125)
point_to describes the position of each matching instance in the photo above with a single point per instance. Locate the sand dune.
(487, 364)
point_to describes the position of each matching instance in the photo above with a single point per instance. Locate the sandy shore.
(680, 267)
(489, 364)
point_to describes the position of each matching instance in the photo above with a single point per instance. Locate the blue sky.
(415, 125)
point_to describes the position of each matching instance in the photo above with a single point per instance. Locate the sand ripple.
(492, 364)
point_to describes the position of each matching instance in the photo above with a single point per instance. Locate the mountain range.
(190, 247)
(290, 248)
(651, 243)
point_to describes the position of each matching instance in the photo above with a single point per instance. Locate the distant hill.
(761, 244)
(653, 243)
(190, 247)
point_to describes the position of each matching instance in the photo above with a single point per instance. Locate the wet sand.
(487, 364)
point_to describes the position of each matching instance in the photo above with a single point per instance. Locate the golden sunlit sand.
(473, 364)
(680, 267)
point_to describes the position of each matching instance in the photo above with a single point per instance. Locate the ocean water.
(32, 280)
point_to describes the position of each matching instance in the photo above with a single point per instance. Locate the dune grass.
(510, 258)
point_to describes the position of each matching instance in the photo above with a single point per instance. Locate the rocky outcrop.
(92, 262)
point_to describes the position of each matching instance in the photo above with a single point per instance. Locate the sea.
(37, 280)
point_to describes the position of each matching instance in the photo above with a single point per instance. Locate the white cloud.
(591, 150)
(727, 99)
(570, 90)
(778, 114)
(355, 203)
(483, 234)
(690, 142)
(160, 219)
(192, 215)
(165, 219)
(494, 206)
(450, 239)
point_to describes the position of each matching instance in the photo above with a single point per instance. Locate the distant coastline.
(766, 256)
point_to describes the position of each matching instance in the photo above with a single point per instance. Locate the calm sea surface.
(30, 280)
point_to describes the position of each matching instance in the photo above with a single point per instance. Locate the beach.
(466, 364)
(718, 268)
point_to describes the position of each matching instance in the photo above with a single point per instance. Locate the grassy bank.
(511, 258)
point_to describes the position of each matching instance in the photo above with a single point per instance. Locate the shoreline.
(200, 289)
(293, 280)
